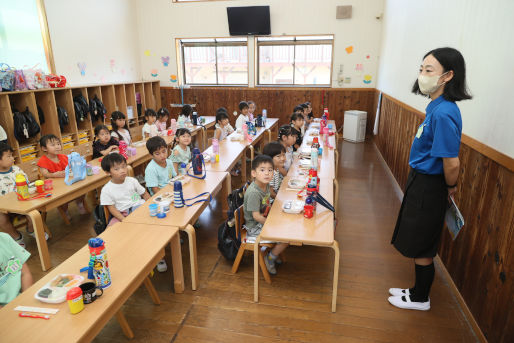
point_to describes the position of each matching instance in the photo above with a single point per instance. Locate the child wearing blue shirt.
(160, 169)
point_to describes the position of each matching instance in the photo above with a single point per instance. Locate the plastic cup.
(154, 208)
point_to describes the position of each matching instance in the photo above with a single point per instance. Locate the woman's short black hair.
(150, 112)
(242, 105)
(48, 138)
(220, 115)
(296, 116)
(99, 128)
(273, 149)
(450, 59)
(186, 110)
(111, 160)
(155, 143)
(4, 148)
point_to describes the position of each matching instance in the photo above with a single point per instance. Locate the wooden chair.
(241, 233)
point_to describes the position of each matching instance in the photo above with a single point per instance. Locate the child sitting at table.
(122, 195)
(256, 206)
(277, 152)
(53, 164)
(8, 172)
(120, 130)
(222, 129)
(15, 276)
(181, 152)
(185, 114)
(104, 143)
(160, 169)
(150, 129)
(297, 125)
(243, 116)
(309, 118)
(251, 110)
(287, 138)
(162, 120)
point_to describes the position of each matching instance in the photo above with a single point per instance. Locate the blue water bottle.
(178, 197)
(197, 161)
(194, 118)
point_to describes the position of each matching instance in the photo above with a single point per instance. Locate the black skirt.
(421, 218)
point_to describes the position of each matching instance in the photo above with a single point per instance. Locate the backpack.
(21, 130)
(19, 80)
(100, 220)
(94, 110)
(32, 124)
(236, 199)
(62, 115)
(6, 77)
(101, 108)
(81, 107)
(228, 245)
(77, 167)
(41, 115)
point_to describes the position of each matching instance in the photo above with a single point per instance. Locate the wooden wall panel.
(279, 102)
(481, 259)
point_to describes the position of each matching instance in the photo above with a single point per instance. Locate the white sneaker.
(20, 241)
(33, 235)
(408, 304)
(162, 266)
(399, 291)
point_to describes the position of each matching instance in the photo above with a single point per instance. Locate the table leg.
(269, 135)
(256, 269)
(151, 290)
(252, 154)
(204, 138)
(243, 166)
(42, 247)
(337, 161)
(130, 171)
(226, 189)
(336, 197)
(124, 324)
(335, 246)
(190, 230)
(176, 260)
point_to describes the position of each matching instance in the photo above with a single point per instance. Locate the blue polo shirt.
(437, 137)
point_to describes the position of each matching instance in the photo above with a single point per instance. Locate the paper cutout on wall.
(347, 79)
(154, 72)
(122, 71)
(147, 52)
(112, 63)
(102, 79)
(359, 67)
(82, 68)
(368, 56)
(173, 78)
(349, 49)
(165, 60)
(367, 79)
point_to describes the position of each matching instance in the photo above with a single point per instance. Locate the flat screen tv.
(249, 20)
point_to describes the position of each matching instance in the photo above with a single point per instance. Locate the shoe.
(33, 235)
(20, 241)
(162, 266)
(399, 291)
(82, 209)
(408, 304)
(270, 265)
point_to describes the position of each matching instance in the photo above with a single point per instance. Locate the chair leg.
(265, 273)
(239, 257)
(151, 289)
(47, 230)
(124, 324)
(63, 216)
(190, 230)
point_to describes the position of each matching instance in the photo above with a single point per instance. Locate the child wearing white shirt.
(150, 129)
(243, 117)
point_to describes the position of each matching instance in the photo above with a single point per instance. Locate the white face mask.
(428, 84)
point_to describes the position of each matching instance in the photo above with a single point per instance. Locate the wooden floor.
(296, 306)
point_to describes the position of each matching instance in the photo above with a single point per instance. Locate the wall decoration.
(165, 60)
(102, 79)
(112, 63)
(349, 49)
(173, 78)
(82, 68)
(147, 52)
(367, 79)
(359, 67)
(347, 79)
(123, 71)
(368, 56)
(154, 72)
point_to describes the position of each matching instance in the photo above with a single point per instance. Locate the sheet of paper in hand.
(454, 219)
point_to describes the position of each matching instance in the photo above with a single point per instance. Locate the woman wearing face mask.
(434, 172)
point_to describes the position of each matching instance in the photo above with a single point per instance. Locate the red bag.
(56, 81)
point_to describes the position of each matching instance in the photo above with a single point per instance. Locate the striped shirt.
(277, 180)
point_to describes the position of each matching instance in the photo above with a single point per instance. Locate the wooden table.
(185, 216)
(210, 121)
(230, 153)
(271, 125)
(133, 250)
(61, 194)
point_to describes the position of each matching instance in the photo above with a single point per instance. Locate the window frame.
(292, 40)
(224, 41)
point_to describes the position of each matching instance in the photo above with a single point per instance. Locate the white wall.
(94, 32)
(484, 33)
(161, 21)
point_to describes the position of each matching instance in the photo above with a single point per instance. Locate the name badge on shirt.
(420, 131)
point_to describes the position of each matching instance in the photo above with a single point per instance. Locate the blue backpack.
(77, 166)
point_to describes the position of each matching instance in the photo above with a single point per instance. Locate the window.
(295, 60)
(24, 39)
(215, 61)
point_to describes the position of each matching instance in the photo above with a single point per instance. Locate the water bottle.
(264, 117)
(216, 150)
(197, 161)
(22, 187)
(314, 158)
(195, 118)
(245, 132)
(173, 126)
(100, 264)
(177, 195)
(182, 168)
(181, 122)
(258, 121)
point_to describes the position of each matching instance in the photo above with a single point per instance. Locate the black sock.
(424, 279)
